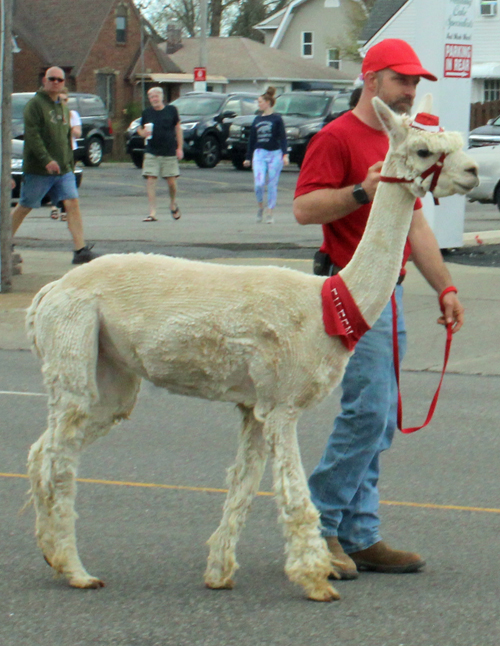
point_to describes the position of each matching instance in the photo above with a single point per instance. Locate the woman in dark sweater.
(267, 152)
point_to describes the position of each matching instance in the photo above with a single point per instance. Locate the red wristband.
(445, 291)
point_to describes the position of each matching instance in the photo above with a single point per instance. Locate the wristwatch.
(360, 195)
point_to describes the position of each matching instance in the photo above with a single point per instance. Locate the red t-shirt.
(339, 155)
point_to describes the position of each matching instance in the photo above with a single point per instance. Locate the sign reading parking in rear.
(457, 60)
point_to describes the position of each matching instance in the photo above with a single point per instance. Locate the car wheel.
(138, 159)
(210, 153)
(93, 152)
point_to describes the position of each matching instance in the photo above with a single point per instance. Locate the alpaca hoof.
(326, 593)
(86, 583)
(228, 584)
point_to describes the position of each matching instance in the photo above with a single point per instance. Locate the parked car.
(97, 132)
(205, 121)
(304, 114)
(488, 160)
(16, 166)
(487, 135)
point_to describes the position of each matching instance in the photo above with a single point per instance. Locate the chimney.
(174, 37)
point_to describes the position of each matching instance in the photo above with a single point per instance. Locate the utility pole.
(5, 144)
(201, 85)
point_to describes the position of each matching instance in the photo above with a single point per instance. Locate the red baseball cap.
(397, 55)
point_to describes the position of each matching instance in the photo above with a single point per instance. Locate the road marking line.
(14, 392)
(152, 485)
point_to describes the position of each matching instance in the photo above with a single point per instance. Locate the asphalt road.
(218, 216)
(440, 492)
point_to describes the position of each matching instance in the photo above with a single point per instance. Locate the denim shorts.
(35, 187)
(159, 166)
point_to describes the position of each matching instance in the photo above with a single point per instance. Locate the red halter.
(430, 123)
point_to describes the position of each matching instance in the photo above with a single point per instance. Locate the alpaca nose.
(473, 170)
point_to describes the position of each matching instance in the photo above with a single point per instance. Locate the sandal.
(175, 213)
(64, 217)
(54, 213)
(150, 218)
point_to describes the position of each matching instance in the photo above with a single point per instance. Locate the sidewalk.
(474, 351)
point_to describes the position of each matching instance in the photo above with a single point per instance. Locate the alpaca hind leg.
(308, 559)
(53, 462)
(243, 481)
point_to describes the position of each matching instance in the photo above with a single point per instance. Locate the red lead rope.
(396, 365)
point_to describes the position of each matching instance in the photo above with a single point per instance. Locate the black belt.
(323, 266)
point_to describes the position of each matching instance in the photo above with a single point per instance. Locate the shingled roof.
(243, 59)
(64, 31)
(382, 11)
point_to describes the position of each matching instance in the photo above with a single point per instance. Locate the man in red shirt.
(335, 188)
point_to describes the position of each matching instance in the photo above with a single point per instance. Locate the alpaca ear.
(392, 125)
(425, 104)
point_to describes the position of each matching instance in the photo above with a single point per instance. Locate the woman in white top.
(75, 122)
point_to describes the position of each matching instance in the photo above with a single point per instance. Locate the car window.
(301, 105)
(340, 103)
(249, 105)
(90, 106)
(496, 122)
(19, 102)
(198, 105)
(233, 105)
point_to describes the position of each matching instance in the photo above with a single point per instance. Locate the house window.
(121, 24)
(307, 44)
(106, 89)
(492, 89)
(489, 7)
(333, 58)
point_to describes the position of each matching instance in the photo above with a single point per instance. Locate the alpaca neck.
(373, 271)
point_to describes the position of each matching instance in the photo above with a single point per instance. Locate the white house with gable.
(321, 31)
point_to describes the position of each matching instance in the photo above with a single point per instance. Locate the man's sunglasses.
(55, 78)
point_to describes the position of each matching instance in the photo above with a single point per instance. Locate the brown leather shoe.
(343, 565)
(382, 558)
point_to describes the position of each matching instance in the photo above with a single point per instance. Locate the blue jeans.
(344, 484)
(267, 163)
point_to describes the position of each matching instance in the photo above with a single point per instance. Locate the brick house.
(97, 43)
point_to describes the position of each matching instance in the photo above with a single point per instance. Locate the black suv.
(97, 133)
(304, 114)
(205, 121)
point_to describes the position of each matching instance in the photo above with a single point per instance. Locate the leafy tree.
(251, 13)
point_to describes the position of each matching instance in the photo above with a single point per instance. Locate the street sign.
(457, 60)
(200, 74)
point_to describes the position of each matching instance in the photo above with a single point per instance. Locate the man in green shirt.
(48, 161)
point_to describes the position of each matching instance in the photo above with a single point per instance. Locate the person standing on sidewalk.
(48, 161)
(336, 186)
(161, 128)
(267, 152)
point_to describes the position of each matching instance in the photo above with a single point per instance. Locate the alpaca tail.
(31, 314)
(62, 324)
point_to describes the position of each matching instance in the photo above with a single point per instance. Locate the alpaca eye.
(424, 153)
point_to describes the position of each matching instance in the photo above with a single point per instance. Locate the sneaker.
(259, 215)
(84, 255)
(343, 566)
(382, 558)
(269, 217)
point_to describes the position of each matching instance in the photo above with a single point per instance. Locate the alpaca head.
(413, 151)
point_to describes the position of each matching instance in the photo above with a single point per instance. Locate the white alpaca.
(249, 335)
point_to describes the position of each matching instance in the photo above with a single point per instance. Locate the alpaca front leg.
(308, 559)
(52, 470)
(243, 481)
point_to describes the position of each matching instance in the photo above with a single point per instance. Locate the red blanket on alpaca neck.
(341, 315)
